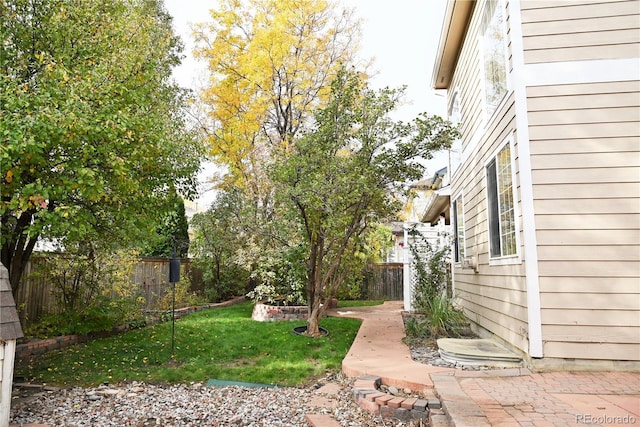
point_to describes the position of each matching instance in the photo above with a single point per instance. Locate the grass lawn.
(223, 343)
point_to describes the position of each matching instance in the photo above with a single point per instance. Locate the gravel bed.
(142, 405)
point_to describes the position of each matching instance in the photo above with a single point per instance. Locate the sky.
(401, 36)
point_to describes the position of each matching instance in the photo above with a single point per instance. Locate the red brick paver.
(543, 399)
(503, 397)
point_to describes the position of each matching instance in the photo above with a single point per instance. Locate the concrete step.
(477, 352)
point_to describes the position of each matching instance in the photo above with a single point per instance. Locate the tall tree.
(271, 64)
(172, 232)
(340, 178)
(91, 124)
(219, 234)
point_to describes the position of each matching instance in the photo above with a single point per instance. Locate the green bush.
(231, 281)
(95, 290)
(281, 276)
(416, 327)
(444, 319)
(183, 298)
(430, 291)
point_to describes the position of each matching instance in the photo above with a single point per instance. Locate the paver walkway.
(501, 397)
(378, 348)
(520, 398)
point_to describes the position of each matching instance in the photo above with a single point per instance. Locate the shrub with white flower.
(281, 276)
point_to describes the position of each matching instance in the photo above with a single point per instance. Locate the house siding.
(579, 30)
(495, 298)
(586, 169)
(584, 151)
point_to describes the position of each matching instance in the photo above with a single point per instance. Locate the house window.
(502, 225)
(494, 61)
(458, 229)
(455, 152)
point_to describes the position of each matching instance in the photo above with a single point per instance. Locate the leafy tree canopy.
(91, 123)
(172, 232)
(339, 178)
(271, 64)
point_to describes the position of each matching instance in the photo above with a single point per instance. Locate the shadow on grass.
(223, 343)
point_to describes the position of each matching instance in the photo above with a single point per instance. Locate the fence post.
(406, 270)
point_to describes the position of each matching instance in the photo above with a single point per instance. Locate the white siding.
(579, 30)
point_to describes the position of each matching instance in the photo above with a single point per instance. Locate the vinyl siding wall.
(494, 298)
(584, 139)
(585, 157)
(574, 30)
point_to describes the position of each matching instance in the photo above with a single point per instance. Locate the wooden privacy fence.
(36, 295)
(384, 281)
(152, 275)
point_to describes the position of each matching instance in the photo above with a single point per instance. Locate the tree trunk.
(18, 247)
(313, 321)
(314, 287)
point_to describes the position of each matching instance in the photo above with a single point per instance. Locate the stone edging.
(38, 347)
(274, 313)
(367, 394)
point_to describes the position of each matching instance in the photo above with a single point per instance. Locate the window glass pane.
(494, 221)
(455, 152)
(458, 225)
(502, 221)
(493, 54)
(506, 205)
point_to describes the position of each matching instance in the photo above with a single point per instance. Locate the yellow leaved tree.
(271, 63)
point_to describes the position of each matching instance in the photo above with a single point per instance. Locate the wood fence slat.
(36, 298)
(384, 281)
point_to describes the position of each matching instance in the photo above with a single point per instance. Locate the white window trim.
(487, 119)
(517, 257)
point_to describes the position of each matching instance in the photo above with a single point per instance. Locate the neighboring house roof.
(10, 328)
(437, 203)
(456, 20)
(397, 228)
(430, 198)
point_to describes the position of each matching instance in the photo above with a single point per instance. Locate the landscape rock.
(177, 405)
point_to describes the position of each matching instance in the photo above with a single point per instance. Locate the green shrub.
(430, 289)
(95, 290)
(281, 276)
(443, 318)
(183, 298)
(229, 282)
(416, 327)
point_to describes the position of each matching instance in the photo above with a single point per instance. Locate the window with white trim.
(500, 197)
(493, 57)
(458, 229)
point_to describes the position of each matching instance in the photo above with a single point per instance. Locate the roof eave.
(454, 27)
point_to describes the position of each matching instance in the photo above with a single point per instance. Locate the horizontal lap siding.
(580, 30)
(584, 142)
(586, 173)
(495, 298)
